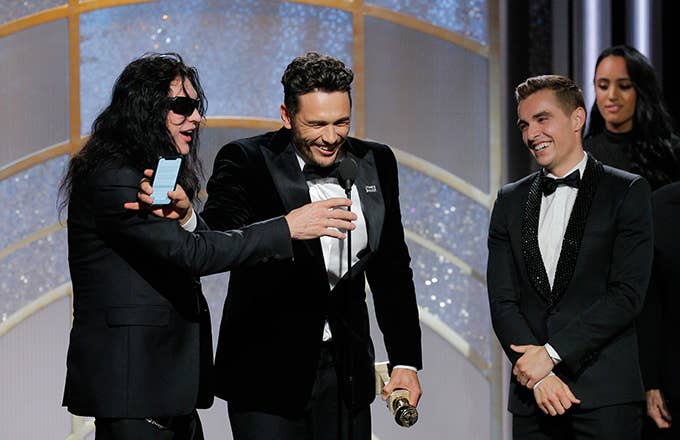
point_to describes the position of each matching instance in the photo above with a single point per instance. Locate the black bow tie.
(313, 172)
(549, 185)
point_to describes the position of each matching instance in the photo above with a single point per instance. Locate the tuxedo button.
(265, 259)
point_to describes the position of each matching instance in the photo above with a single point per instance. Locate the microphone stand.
(347, 174)
(350, 354)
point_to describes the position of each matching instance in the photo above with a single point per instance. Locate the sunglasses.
(183, 105)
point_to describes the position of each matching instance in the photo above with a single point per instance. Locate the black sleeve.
(199, 253)
(510, 325)
(391, 278)
(626, 284)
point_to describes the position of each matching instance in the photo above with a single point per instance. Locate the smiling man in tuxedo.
(570, 251)
(294, 356)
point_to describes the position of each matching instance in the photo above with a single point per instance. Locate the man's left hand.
(404, 379)
(180, 208)
(533, 366)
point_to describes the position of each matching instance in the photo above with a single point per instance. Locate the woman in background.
(630, 127)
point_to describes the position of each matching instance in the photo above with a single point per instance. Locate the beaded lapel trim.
(572, 235)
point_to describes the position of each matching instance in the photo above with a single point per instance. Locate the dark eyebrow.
(322, 122)
(541, 114)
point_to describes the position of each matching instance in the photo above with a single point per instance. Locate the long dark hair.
(132, 129)
(652, 154)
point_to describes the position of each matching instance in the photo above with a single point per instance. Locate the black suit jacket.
(658, 322)
(599, 286)
(274, 314)
(140, 345)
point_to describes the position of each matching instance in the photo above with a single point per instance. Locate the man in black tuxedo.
(570, 250)
(658, 322)
(140, 351)
(294, 354)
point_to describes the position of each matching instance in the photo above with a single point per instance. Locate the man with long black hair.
(140, 352)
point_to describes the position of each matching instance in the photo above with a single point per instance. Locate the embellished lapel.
(577, 223)
(370, 193)
(530, 250)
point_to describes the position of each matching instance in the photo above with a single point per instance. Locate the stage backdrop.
(427, 83)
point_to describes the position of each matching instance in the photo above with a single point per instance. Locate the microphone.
(347, 173)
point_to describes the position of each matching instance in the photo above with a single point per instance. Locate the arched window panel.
(31, 196)
(240, 48)
(30, 272)
(14, 9)
(467, 17)
(457, 299)
(34, 92)
(430, 98)
(442, 215)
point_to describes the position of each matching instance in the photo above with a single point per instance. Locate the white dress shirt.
(334, 250)
(552, 223)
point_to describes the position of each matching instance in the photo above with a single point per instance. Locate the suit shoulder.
(113, 174)
(369, 144)
(668, 193)
(249, 144)
(360, 145)
(518, 186)
(618, 176)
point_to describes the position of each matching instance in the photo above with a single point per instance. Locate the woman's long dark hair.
(652, 155)
(132, 130)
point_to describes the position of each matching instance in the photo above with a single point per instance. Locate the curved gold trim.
(74, 75)
(242, 122)
(68, 9)
(34, 19)
(456, 261)
(359, 67)
(345, 5)
(74, 9)
(34, 159)
(35, 306)
(426, 27)
(408, 159)
(442, 175)
(455, 340)
(30, 239)
(92, 5)
(495, 108)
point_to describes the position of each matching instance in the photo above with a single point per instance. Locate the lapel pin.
(370, 188)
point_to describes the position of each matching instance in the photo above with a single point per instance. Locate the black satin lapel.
(577, 223)
(289, 182)
(530, 250)
(370, 193)
(287, 176)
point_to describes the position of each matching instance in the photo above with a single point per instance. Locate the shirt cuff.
(553, 354)
(549, 374)
(406, 367)
(190, 224)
